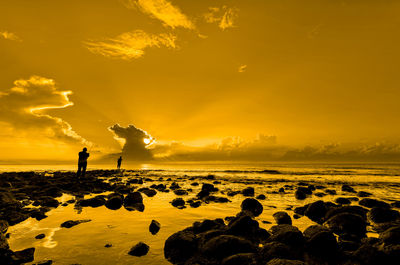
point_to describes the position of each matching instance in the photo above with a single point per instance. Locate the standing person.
(119, 162)
(82, 162)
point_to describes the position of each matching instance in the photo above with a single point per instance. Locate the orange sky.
(317, 73)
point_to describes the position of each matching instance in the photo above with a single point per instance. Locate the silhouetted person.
(119, 162)
(82, 162)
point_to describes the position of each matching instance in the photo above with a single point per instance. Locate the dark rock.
(320, 194)
(195, 204)
(252, 205)
(180, 246)
(224, 246)
(154, 227)
(363, 194)
(347, 209)
(93, 202)
(108, 245)
(3, 226)
(300, 195)
(71, 223)
(140, 249)
(261, 197)
(23, 256)
(274, 250)
(281, 190)
(174, 186)
(348, 188)
(240, 259)
(207, 225)
(287, 234)
(342, 200)
(391, 236)
(133, 198)
(371, 203)
(40, 236)
(180, 192)
(178, 203)
(320, 242)
(243, 226)
(195, 184)
(249, 192)
(369, 255)
(114, 201)
(282, 218)
(395, 204)
(382, 215)
(285, 262)
(330, 191)
(316, 211)
(148, 192)
(48, 201)
(347, 224)
(208, 188)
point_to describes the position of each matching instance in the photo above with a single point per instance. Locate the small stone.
(154, 227)
(40, 236)
(140, 249)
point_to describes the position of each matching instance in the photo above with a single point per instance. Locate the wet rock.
(208, 188)
(371, 203)
(363, 194)
(114, 201)
(282, 218)
(243, 226)
(344, 224)
(274, 250)
(133, 198)
(287, 234)
(248, 192)
(382, 215)
(3, 244)
(395, 204)
(140, 249)
(261, 197)
(71, 223)
(180, 246)
(195, 204)
(281, 190)
(316, 211)
(108, 245)
(252, 205)
(195, 184)
(23, 256)
(391, 236)
(300, 195)
(40, 236)
(148, 192)
(320, 194)
(330, 191)
(180, 192)
(342, 200)
(178, 203)
(48, 201)
(207, 225)
(320, 243)
(174, 186)
(3, 226)
(348, 188)
(154, 227)
(93, 202)
(368, 254)
(240, 259)
(45, 262)
(224, 246)
(285, 262)
(347, 209)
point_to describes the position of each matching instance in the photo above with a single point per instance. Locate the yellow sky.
(196, 72)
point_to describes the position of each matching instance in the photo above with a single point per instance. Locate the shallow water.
(84, 243)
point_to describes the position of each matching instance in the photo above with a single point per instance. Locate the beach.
(114, 209)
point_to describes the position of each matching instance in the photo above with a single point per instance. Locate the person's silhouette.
(82, 162)
(119, 162)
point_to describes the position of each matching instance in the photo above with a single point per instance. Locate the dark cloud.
(133, 141)
(23, 106)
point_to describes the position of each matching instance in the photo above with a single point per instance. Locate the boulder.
(344, 224)
(274, 250)
(282, 218)
(391, 236)
(252, 205)
(342, 200)
(383, 215)
(316, 211)
(300, 195)
(371, 203)
(93, 202)
(178, 203)
(114, 201)
(240, 259)
(224, 246)
(261, 197)
(348, 188)
(363, 194)
(180, 192)
(138, 250)
(180, 246)
(23, 256)
(287, 234)
(248, 192)
(320, 242)
(154, 227)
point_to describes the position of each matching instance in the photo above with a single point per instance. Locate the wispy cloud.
(224, 16)
(130, 45)
(162, 10)
(23, 107)
(9, 36)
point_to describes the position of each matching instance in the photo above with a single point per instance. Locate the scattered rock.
(40, 236)
(140, 249)
(178, 203)
(71, 223)
(249, 192)
(252, 205)
(371, 203)
(154, 227)
(348, 188)
(282, 218)
(114, 201)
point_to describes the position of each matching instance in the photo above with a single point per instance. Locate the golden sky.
(273, 75)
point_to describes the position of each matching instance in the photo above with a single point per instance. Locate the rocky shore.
(338, 235)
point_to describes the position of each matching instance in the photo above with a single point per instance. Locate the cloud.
(135, 142)
(162, 10)
(224, 16)
(23, 107)
(9, 36)
(130, 45)
(242, 68)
